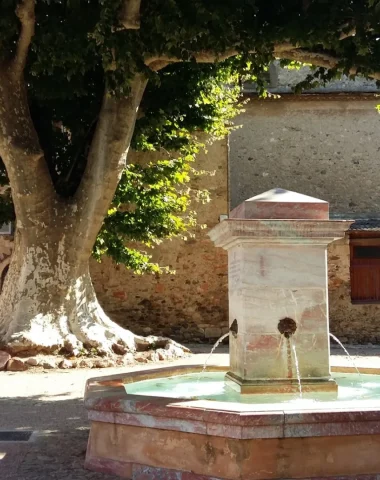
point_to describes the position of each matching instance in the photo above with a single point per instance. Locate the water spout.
(346, 351)
(234, 328)
(287, 327)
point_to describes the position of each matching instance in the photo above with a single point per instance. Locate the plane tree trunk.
(48, 302)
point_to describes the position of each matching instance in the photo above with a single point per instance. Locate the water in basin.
(212, 386)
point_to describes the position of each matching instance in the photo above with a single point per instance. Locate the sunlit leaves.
(155, 202)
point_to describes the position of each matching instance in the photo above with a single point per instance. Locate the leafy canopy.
(80, 48)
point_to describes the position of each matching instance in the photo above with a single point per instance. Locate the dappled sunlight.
(59, 397)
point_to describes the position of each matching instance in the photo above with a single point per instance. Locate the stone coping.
(232, 230)
(107, 401)
(278, 203)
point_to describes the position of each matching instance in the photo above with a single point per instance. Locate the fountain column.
(277, 274)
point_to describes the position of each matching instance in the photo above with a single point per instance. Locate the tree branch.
(130, 14)
(315, 58)
(322, 60)
(32, 187)
(106, 159)
(350, 33)
(284, 50)
(157, 62)
(26, 15)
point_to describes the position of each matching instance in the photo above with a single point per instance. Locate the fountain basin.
(145, 437)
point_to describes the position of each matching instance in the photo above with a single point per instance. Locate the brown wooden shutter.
(365, 268)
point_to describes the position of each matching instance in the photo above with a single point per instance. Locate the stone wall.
(328, 149)
(192, 304)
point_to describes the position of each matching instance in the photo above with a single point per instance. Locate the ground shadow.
(58, 446)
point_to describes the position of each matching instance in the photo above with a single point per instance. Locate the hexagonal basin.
(212, 386)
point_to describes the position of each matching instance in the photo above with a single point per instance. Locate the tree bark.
(48, 302)
(106, 160)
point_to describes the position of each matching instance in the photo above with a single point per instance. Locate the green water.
(212, 386)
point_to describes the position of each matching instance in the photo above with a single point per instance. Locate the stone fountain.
(246, 421)
(277, 274)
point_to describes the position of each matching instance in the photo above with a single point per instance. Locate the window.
(365, 268)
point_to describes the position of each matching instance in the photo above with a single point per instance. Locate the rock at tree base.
(129, 359)
(119, 349)
(49, 364)
(86, 363)
(65, 364)
(103, 363)
(32, 361)
(16, 365)
(141, 358)
(162, 354)
(174, 351)
(153, 356)
(170, 351)
(4, 359)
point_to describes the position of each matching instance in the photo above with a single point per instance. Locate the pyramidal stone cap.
(282, 204)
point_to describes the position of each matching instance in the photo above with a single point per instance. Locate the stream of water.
(296, 364)
(346, 352)
(216, 344)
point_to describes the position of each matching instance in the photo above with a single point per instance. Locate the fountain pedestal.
(278, 299)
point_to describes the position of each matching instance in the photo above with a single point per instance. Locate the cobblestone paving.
(51, 404)
(58, 446)
(58, 456)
